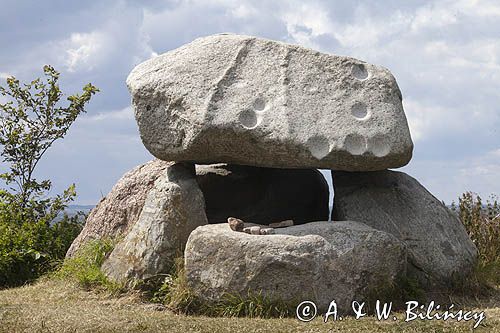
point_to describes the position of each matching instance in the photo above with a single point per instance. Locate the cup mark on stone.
(318, 146)
(355, 144)
(379, 145)
(259, 104)
(360, 111)
(249, 119)
(359, 71)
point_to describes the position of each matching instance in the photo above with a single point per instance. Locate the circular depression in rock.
(259, 104)
(318, 146)
(355, 144)
(360, 111)
(360, 72)
(248, 119)
(379, 146)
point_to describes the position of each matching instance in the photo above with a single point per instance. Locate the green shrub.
(33, 248)
(32, 118)
(84, 267)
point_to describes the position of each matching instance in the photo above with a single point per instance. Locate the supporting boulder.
(173, 208)
(439, 249)
(319, 261)
(116, 213)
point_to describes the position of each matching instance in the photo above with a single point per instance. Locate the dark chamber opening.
(263, 195)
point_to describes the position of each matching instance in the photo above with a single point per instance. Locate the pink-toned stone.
(120, 209)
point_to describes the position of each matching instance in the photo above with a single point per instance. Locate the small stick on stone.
(267, 231)
(235, 224)
(282, 224)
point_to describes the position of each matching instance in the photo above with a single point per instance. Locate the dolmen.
(239, 126)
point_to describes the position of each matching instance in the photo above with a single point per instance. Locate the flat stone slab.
(318, 261)
(251, 101)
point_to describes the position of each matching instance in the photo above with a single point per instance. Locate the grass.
(62, 306)
(85, 267)
(175, 294)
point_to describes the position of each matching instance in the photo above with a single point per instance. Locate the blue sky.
(445, 56)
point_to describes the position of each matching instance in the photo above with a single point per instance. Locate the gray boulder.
(263, 195)
(120, 209)
(319, 261)
(251, 101)
(173, 208)
(439, 249)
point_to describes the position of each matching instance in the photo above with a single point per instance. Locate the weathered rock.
(318, 261)
(251, 101)
(263, 195)
(173, 208)
(267, 231)
(235, 224)
(439, 248)
(255, 230)
(120, 209)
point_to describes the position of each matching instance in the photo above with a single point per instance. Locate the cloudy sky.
(444, 54)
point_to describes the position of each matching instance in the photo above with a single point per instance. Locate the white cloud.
(83, 49)
(123, 114)
(434, 16)
(479, 8)
(427, 121)
(117, 43)
(305, 21)
(486, 165)
(243, 11)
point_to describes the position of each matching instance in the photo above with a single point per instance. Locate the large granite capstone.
(246, 100)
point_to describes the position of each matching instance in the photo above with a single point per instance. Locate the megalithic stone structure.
(251, 101)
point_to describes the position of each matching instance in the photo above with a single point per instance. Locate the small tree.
(30, 122)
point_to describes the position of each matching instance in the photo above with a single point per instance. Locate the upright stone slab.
(318, 261)
(439, 249)
(116, 213)
(173, 208)
(251, 101)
